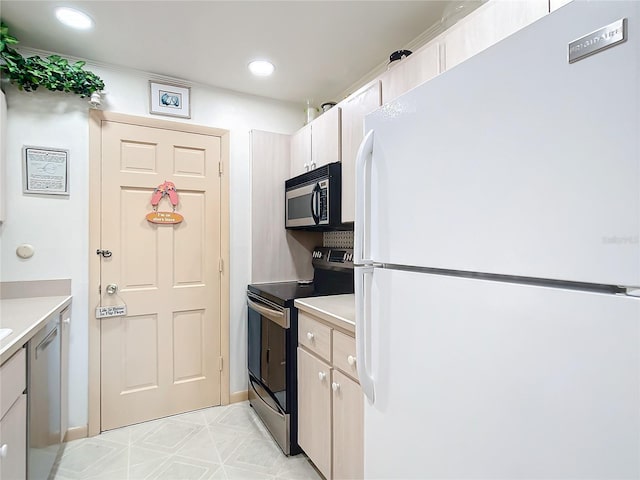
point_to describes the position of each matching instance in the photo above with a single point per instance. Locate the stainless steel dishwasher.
(43, 398)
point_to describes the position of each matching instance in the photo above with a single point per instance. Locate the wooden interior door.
(163, 357)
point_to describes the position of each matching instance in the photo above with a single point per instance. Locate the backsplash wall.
(340, 239)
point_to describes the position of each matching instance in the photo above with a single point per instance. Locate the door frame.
(96, 119)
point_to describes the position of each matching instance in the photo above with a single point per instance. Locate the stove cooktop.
(332, 275)
(284, 293)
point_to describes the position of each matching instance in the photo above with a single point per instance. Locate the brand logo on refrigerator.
(595, 42)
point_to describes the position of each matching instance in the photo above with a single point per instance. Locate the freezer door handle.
(363, 214)
(363, 277)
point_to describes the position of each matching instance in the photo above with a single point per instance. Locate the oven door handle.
(281, 318)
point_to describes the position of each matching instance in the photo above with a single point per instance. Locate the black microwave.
(313, 199)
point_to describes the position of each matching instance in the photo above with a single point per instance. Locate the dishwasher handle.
(46, 341)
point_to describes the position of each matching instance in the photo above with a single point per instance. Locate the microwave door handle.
(314, 203)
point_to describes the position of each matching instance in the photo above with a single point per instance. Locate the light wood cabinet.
(317, 143)
(301, 151)
(315, 336)
(330, 400)
(326, 138)
(487, 25)
(277, 255)
(417, 68)
(348, 427)
(13, 441)
(13, 418)
(314, 410)
(354, 109)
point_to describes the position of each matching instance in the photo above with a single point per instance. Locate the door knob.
(112, 288)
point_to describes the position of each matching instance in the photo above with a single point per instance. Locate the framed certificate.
(45, 171)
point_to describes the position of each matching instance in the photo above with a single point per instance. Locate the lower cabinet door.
(314, 410)
(348, 428)
(13, 441)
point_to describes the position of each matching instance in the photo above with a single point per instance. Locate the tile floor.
(227, 442)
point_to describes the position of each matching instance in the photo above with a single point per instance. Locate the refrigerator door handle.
(363, 277)
(365, 154)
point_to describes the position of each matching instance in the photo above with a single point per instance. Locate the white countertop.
(340, 310)
(25, 316)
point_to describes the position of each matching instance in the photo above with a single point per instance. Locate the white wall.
(58, 226)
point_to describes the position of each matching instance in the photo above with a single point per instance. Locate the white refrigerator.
(498, 261)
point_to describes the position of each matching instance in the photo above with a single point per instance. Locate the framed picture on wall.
(45, 170)
(171, 100)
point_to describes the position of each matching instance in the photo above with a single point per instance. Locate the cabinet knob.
(322, 376)
(312, 166)
(351, 360)
(4, 449)
(310, 336)
(335, 386)
(306, 167)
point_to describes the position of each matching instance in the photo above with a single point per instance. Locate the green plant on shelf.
(53, 72)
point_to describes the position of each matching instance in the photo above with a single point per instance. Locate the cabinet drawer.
(13, 379)
(344, 353)
(314, 336)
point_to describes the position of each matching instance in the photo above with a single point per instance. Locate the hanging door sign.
(167, 189)
(115, 311)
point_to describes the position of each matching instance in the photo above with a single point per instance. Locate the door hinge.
(219, 168)
(220, 265)
(220, 363)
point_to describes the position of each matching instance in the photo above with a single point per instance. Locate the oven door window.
(267, 355)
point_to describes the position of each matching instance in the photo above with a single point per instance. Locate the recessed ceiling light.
(261, 68)
(74, 18)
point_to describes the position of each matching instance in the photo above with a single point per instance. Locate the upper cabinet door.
(325, 138)
(489, 24)
(354, 109)
(301, 151)
(410, 72)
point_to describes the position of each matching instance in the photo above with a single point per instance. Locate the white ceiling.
(319, 48)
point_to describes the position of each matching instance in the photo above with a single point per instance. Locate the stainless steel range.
(273, 338)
